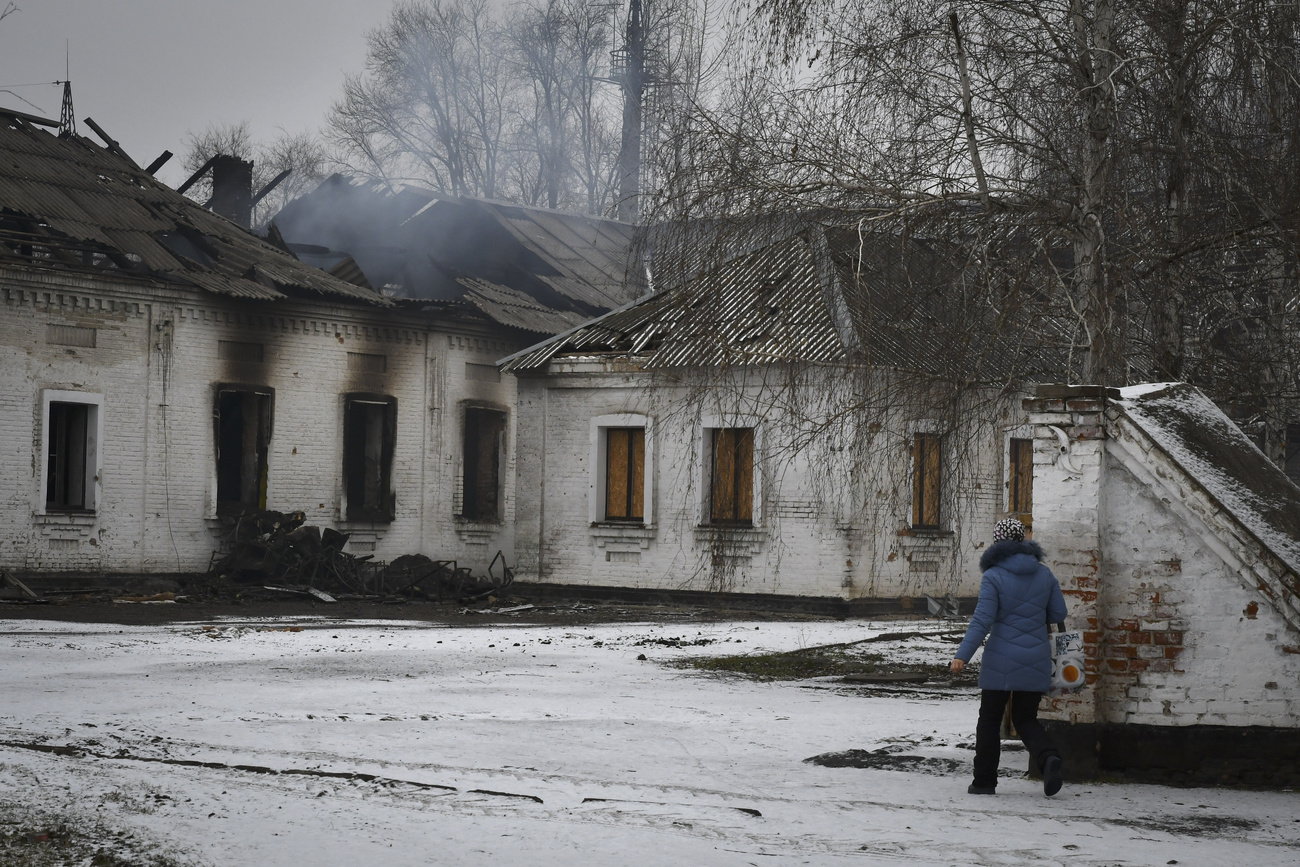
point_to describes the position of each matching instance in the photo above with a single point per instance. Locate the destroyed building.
(166, 369)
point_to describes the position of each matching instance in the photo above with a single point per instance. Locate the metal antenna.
(67, 119)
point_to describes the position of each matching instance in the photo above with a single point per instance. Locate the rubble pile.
(284, 554)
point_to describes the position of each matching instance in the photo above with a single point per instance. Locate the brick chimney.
(232, 189)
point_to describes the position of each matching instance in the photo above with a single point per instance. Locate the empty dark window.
(369, 437)
(485, 431)
(927, 470)
(243, 426)
(625, 474)
(731, 499)
(69, 471)
(1020, 482)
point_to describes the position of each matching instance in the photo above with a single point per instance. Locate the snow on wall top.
(1212, 450)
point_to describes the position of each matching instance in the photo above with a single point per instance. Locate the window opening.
(69, 457)
(369, 438)
(625, 474)
(484, 442)
(243, 439)
(926, 472)
(732, 489)
(1020, 493)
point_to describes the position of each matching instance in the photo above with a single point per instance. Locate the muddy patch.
(1191, 826)
(886, 760)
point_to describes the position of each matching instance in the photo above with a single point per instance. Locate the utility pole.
(629, 152)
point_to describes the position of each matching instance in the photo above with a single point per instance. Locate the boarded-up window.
(243, 433)
(70, 335)
(731, 498)
(367, 362)
(927, 470)
(625, 474)
(484, 442)
(236, 350)
(1020, 481)
(369, 438)
(69, 455)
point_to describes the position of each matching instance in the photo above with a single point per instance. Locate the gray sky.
(149, 70)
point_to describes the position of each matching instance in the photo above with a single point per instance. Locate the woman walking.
(1019, 598)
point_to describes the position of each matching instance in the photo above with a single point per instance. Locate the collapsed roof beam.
(194, 178)
(158, 163)
(30, 118)
(275, 182)
(110, 141)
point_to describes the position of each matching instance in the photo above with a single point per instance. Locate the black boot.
(973, 789)
(1051, 775)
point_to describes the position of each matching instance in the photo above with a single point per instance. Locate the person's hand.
(957, 665)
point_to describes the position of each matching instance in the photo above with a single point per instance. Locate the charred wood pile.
(282, 553)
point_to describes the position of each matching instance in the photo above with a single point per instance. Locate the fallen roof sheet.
(67, 203)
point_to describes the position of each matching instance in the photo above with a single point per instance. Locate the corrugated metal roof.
(67, 203)
(825, 295)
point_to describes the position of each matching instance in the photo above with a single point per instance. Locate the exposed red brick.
(1139, 638)
(1117, 664)
(1118, 637)
(1161, 665)
(1168, 638)
(1172, 652)
(1091, 637)
(1130, 625)
(1090, 665)
(1251, 610)
(1138, 664)
(1121, 652)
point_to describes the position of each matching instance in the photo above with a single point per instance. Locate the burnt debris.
(283, 554)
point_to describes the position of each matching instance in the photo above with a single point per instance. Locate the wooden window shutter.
(733, 476)
(624, 474)
(926, 481)
(1021, 473)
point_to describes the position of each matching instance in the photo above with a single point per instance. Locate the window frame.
(598, 474)
(1011, 501)
(386, 510)
(704, 475)
(229, 507)
(93, 459)
(502, 456)
(927, 480)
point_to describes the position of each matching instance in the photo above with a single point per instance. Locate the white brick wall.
(1164, 584)
(822, 533)
(158, 453)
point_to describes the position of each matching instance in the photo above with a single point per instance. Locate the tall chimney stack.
(232, 189)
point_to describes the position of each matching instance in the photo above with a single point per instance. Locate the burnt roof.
(528, 268)
(825, 294)
(66, 203)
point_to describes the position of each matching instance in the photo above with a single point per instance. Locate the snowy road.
(411, 744)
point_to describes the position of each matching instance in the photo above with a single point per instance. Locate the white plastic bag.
(1067, 663)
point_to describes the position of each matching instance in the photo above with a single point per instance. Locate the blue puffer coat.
(1019, 597)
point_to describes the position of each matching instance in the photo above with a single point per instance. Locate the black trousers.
(988, 741)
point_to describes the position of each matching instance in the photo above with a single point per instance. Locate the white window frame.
(596, 474)
(94, 439)
(704, 464)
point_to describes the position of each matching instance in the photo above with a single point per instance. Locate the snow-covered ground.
(543, 745)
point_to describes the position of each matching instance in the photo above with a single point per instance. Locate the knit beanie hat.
(1008, 528)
